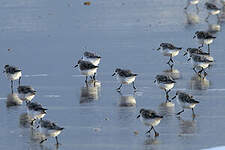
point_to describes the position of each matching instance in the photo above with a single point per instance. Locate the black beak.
(113, 74)
(194, 36)
(158, 48)
(76, 66)
(138, 116)
(185, 53)
(189, 59)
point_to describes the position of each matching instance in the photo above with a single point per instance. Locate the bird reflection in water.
(25, 120)
(151, 141)
(126, 100)
(90, 92)
(198, 83)
(13, 100)
(187, 126)
(166, 108)
(174, 73)
(191, 18)
(213, 28)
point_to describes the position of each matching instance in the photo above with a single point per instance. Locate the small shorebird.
(192, 2)
(166, 83)
(26, 92)
(196, 51)
(212, 10)
(92, 57)
(150, 118)
(12, 73)
(204, 38)
(35, 111)
(169, 50)
(186, 101)
(125, 77)
(201, 62)
(49, 129)
(87, 69)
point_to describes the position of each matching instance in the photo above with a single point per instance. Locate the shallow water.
(46, 39)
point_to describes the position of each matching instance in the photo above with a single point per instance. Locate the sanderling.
(126, 100)
(201, 62)
(125, 77)
(194, 51)
(35, 111)
(87, 69)
(185, 101)
(204, 38)
(49, 129)
(26, 93)
(166, 83)
(212, 10)
(92, 57)
(150, 118)
(169, 50)
(192, 2)
(12, 73)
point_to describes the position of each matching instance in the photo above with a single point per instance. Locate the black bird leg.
(19, 81)
(149, 130)
(208, 49)
(167, 95)
(180, 112)
(156, 133)
(199, 73)
(134, 87)
(86, 79)
(57, 142)
(193, 113)
(206, 19)
(187, 6)
(12, 86)
(195, 70)
(205, 74)
(118, 89)
(43, 141)
(32, 122)
(94, 76)
(200, 46)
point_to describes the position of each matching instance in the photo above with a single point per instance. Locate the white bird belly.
(14, 76)
(126, 80)
(186, 105)
(27, 97)
(166, 86)
(53, 133)
(170, 53)
(89, 72)
(207, 41)
(214, 12)
(201, 65)
(35, 114)
(150, 122)
(194, 2)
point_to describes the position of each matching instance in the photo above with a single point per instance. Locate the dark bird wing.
(85, 65)
(126, 73)
(150, 114)
(91, 55)
(12, 70)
